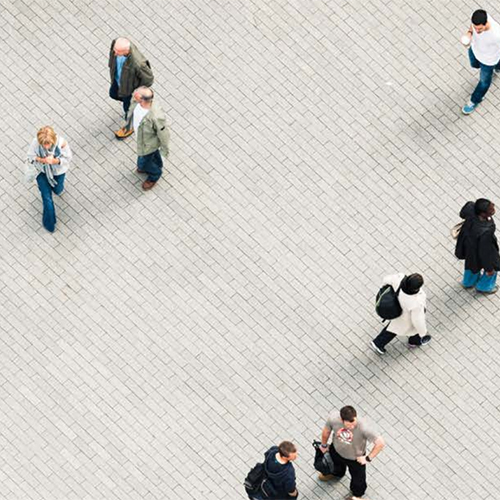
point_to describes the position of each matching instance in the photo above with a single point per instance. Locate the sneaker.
(378, 350)
(469, 108)
(426, 339)
(488, 292)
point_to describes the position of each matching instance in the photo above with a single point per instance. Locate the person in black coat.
(478, 246)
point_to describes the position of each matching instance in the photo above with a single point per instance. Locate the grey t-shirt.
(350, 444)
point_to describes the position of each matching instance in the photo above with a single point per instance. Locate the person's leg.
(470, 279)
(126, 105)
(482, 87)
(339, 463)
(473, 61)
(383, 338)
(49, 213)
(151, 164)
(358, 478)
(486, 283)
(59, 187)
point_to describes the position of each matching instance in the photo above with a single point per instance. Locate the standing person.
(149, 121)
(478, 246)
(411, 323)
(128, 70)
(50, 156)
(280, 473)
(484, 54)
(348, 448)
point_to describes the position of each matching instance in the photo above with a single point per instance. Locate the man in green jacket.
(128, 70)
(148, 120)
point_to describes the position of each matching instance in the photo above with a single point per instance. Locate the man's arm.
(163, 135)
(378, 445)
(325, 436)
(146, 74)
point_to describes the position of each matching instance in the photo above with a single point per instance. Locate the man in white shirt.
(484, 54)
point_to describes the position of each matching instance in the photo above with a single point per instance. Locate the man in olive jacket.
(128, 70)
(478, 246)
(150, 125)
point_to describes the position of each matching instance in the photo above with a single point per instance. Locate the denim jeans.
(49, 211)
(113, 93)
(482, 282)
(151, 164)
(485, 77)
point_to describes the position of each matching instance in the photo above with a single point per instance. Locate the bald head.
(121, 47)
(144, 96)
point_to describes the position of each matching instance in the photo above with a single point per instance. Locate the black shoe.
(488, 292)
(378, 350)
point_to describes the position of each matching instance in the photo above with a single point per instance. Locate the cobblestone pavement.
(158, 343)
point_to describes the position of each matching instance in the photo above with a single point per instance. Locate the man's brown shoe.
(326, 477)
(147, 185)
(123, 133)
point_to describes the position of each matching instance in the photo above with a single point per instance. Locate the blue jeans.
(485, 77)
(151, 164)
(482, 282)
(49, 211)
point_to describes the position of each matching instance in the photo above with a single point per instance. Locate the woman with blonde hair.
(48, 160)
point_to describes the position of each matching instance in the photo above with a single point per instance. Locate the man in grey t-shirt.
(348, 447)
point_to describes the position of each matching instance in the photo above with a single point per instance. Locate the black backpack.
(387, 303)
(255, 478)
(257, 481)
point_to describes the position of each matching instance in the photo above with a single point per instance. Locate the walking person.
(280, 480)
(149, 122)
(477, 245)
(411, 323)
(128, 70)
(348, 448)
(48, 158)
(484, 54)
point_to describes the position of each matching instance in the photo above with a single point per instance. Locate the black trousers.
(358, 472)
(113, 93)
(385, 336)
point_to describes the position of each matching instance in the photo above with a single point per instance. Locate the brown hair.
(286, 448)
(46, 134)
(348, 414)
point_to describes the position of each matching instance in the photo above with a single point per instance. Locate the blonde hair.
(46, 134)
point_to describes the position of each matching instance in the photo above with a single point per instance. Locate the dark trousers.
(46, 190)
(151, 164)
(358, 472)
(113, 93)
(385, 336)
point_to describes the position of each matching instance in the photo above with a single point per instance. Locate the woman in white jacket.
(411, 323)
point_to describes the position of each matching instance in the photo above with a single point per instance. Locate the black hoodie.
(281, 476)
(477, 243)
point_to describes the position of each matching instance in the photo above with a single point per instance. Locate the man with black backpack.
(408, 293)
(275, 478)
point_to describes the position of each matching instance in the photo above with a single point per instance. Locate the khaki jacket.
(135, 72)
(153, 133)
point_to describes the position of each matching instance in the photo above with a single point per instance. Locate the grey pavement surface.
(158, 343)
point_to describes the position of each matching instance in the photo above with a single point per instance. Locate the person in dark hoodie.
(280, 482)
(478, 246)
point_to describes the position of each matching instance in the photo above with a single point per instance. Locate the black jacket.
(477, 243)
(281, 476)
